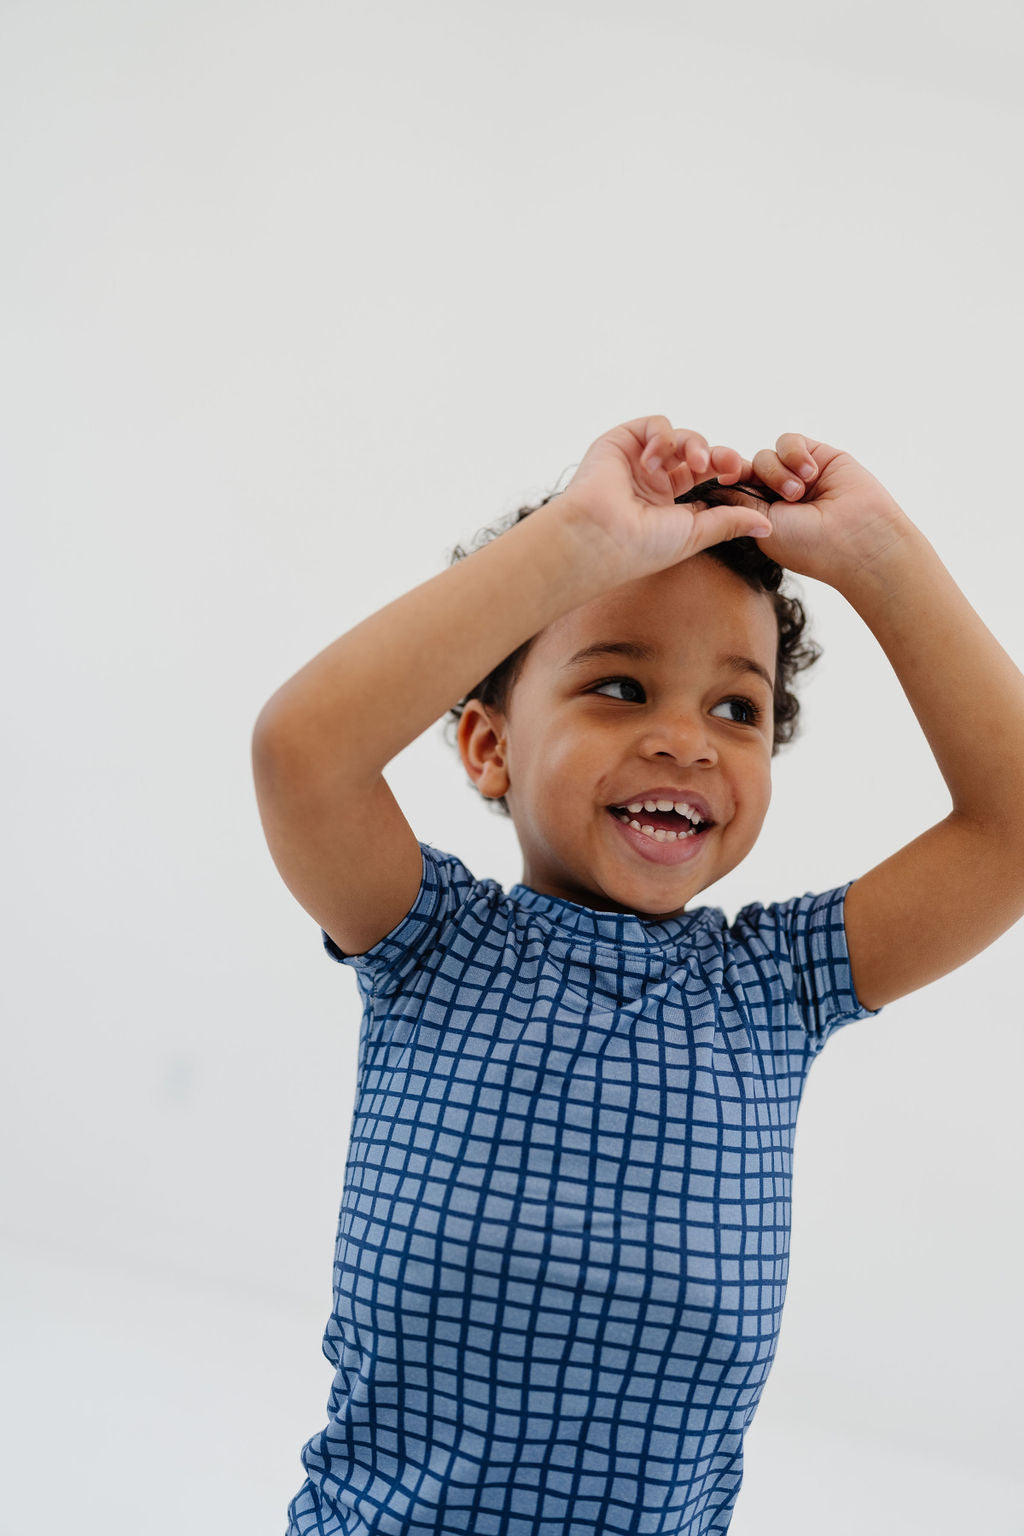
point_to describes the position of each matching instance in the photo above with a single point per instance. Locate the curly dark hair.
(795, 652)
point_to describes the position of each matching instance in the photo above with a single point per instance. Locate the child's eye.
(611, 681)
(753, 711)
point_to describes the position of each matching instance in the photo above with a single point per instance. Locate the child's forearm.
(364, 698)
(965, 690)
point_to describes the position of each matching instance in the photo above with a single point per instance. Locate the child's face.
(574, 742)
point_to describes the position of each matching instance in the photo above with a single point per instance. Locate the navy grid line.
(563, 1238)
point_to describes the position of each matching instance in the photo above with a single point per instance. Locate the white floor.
(154, 1407)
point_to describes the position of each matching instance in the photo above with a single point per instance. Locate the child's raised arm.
(321, 742)
(948, 894)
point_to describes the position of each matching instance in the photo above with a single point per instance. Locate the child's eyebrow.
(745, 664)
(641, 652)
(634, 648)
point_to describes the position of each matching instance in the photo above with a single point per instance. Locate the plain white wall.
(295, 298)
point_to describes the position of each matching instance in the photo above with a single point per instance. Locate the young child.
(563, 1240)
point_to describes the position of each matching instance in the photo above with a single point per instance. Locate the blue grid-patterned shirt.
(563, 1242)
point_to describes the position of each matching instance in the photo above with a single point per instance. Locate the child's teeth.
(660, 834)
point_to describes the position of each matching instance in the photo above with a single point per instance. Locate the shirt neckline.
(620, 929)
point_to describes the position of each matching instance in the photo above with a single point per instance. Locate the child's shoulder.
(447, 887)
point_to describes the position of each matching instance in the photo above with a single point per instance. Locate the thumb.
(716, 524)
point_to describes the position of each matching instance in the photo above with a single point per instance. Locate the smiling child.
(563, 1242)
(566, 755)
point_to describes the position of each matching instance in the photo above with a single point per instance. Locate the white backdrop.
(296, 297)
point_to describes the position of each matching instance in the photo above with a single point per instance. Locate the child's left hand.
(837, 524)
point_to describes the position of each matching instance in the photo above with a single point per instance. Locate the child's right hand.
(619, 494)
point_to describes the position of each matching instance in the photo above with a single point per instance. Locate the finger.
(677, 451)
(671, 443)
(728, 465)
(713, 525)
(724, 465)
(692, 450)
(745, 477)
(651, 431)
(782, 474)
(793, 451)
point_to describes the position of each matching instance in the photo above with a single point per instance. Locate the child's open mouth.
(662, 837)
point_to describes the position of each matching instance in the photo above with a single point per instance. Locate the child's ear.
(483, 746)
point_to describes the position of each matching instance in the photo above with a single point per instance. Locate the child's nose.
(681, 734)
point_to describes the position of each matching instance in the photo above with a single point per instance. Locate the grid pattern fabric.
(563, 1241)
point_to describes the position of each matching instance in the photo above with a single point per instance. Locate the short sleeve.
(446, 886)
(805, 940)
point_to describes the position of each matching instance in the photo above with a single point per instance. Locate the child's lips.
(681, 851)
